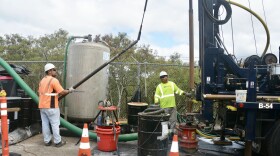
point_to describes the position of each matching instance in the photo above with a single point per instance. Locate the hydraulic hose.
(208, 136)
(64, 123)
(216, 10)
(260, 19)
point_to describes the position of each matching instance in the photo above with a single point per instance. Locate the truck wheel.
(274, 140)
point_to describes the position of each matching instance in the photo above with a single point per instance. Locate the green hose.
(64, 66)
(64, 123)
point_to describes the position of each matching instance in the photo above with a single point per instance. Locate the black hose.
(216, 11)
(153, 112)
(150, 110)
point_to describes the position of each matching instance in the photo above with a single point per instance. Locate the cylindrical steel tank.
(83, 58)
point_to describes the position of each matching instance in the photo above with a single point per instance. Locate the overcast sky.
(165, 26)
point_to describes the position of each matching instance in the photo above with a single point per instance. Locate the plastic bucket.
(106, 140)
(241, 95)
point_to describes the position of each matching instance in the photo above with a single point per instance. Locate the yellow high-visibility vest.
(165, 94)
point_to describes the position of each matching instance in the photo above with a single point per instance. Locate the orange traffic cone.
(84, 149)
(174, 147)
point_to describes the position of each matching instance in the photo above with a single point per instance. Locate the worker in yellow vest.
(165, 97)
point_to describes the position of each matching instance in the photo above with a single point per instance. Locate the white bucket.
(241, 95)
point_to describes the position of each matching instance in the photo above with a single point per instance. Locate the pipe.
(64, 75)
(232, 97)
(191, 46)
(65, 61)
(64, 123)
(260, 19)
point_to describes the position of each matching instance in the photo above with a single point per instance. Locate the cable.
(266, 23)
(253, 28)
(210, 136)
(232, 37)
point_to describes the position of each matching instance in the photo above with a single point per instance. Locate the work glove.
(71, 90)
(187, 94)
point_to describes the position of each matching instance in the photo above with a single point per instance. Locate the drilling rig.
(257, 119)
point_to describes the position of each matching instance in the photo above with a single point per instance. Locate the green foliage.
(48, 47)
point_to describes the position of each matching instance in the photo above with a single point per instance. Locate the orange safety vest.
(49, 88)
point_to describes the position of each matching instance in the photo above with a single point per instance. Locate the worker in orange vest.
(49, 91)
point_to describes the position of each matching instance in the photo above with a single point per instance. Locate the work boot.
(61, 143)
(48, 143)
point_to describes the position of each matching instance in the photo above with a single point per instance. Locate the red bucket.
(105, 138)
(187, 138)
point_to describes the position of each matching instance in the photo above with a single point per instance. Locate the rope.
(253, 28)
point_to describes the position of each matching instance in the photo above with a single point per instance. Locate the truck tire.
(273, 140)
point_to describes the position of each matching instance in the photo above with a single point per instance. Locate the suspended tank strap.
(52, 95)
(47, 89)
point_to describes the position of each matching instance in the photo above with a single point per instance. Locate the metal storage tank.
(83, 59)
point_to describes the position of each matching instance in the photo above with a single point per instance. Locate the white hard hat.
(49, 66)
(162, 73)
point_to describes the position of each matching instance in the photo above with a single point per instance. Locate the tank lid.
(137, 104)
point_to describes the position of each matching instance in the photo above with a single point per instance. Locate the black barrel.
(149, 132)
(13, 102)
(36, 116)
(133, 108)
(25, 114)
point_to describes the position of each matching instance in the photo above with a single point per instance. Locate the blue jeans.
(50, 116)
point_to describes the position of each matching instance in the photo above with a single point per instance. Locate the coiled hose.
(216, 11)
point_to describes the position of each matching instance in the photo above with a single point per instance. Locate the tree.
(15, 47)
(52, 47)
